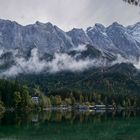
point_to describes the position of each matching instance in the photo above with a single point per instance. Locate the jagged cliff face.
(44, 47)
(46, 37)
(115, 39)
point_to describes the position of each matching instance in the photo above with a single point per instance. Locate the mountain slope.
(79, 37)
(123, 40)
(115, 39)
(43, 47)
(46, 37)
(122, 80)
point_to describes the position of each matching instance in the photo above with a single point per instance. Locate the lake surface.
(70, 125)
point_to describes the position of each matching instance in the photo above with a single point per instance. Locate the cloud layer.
(69, 13)
(59, 62)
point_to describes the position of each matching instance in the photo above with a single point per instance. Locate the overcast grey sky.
(69, 13)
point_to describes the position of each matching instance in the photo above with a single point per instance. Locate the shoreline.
(73, 108)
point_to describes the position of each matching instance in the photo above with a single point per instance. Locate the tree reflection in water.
(83, 125)
(20, 118)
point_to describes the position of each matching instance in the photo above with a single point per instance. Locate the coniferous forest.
(118, 87)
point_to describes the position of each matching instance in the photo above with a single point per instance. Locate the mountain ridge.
(49, 38)
(44, 47)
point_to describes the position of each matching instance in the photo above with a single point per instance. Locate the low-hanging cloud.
(130, 59)
(80, 48)
(60, 62)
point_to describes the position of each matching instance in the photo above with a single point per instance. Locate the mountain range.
(101, 59)
(49, 38)
(43, 47)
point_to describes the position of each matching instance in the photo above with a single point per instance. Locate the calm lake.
(123, 125)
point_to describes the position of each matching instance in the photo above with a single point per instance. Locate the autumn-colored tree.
(58, 100)
(68, 101)
(17, 99)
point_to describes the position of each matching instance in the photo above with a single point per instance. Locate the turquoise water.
(70, 126)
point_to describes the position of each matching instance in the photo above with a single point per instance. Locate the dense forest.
(118, 86)
(20, 97)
